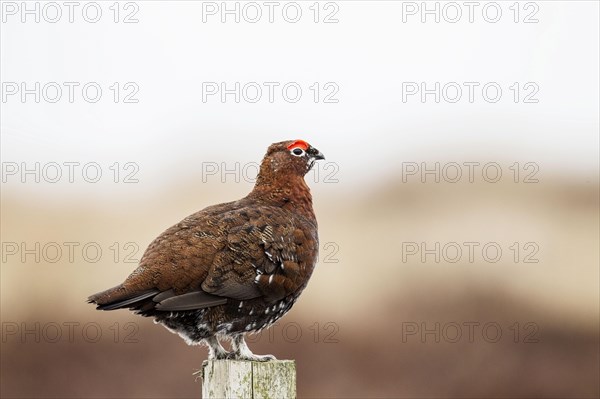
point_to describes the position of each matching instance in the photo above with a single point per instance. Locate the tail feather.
(118, 298)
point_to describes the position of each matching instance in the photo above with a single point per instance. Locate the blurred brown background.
(357, 330)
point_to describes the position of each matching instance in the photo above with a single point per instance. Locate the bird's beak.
(315, 154)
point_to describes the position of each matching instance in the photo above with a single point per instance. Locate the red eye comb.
(300, 144)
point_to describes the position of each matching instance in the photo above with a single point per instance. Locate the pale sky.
(368, 58)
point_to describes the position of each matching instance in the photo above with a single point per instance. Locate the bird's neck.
(289, 192)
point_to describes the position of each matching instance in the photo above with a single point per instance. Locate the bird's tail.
(119, 298)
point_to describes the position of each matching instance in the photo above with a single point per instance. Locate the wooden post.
(253, 380)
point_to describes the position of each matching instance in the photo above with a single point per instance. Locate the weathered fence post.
(254, 380)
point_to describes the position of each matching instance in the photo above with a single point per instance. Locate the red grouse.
(232, 268)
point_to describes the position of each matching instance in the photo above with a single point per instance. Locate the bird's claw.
(241, 357)
(254, 358)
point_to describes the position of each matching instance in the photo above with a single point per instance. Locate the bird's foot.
(250, 357)
(220, 356)
(256, 358)
(242, 352)
(215, 350)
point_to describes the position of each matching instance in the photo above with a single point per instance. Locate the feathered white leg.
(215, 350)
(242, 352)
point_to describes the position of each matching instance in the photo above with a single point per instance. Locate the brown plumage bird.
(232, 268)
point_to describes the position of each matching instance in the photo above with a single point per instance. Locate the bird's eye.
(298, 152)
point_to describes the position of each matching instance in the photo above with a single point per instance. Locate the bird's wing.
(175, 263)
(168, 301)
(229, 251)
(264, 256)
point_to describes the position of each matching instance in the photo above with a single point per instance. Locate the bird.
(234, 268)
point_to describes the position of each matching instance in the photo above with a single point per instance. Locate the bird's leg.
(215, 350)
(242, 352)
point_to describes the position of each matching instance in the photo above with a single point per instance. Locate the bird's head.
(292, 157)
(280, 179)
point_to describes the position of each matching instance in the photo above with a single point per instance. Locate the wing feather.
(190, 301)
